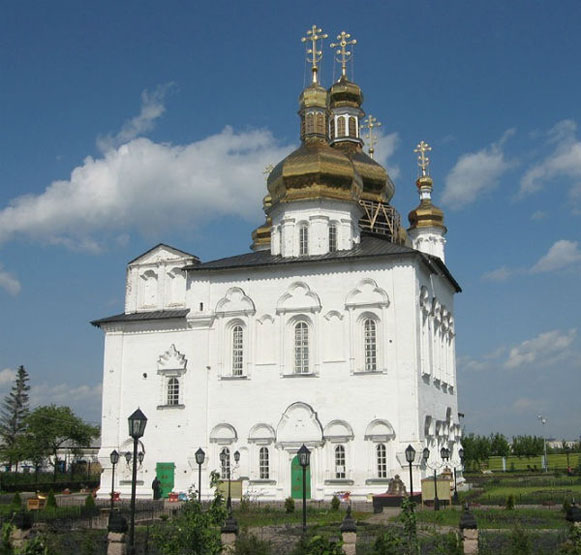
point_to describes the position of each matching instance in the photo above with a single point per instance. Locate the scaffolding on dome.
(382, 219)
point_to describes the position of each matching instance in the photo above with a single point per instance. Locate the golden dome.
(261, 235)
(314, 170)
(345, 93)
(426, 214)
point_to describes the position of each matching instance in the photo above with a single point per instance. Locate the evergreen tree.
(13, 414)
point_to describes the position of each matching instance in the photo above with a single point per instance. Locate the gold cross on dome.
(343, 55)
(370, 124)
(314, 34)
(266, 171)
(423, 160)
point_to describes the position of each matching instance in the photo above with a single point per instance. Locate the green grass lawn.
(268, 516)
(555, 461)
(496, 518)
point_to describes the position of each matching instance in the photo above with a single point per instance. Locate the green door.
(164, 473)
(297, 480)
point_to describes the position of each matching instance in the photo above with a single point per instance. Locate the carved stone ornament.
(172, 359)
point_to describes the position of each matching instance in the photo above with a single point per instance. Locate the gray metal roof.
(142, 316)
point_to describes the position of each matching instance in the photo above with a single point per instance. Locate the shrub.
(389, 543)
(520, 541)
(16, 501)
(510, 502)
(90, 509)
(335, 503)
(566, 505)
(318, 545)
(248, 544)
(289, 505)
(244, 504)
(50, 501)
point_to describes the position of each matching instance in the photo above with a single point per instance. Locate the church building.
(335, 331)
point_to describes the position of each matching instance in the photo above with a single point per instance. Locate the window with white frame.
(370, 344)
(332, 237)
(263, 463)
(301, 348)
(237, 350)
(225, 463)
(381, 459)
(303, 240)
(173, 391)
(340, 462)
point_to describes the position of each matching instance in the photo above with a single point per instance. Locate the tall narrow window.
(237, 351)
(225, 475)
(370, 330)
(173, 391)
(320, 124)
(381, 461)
(340, 126)
(332, 129)
(310, 123)
(352, 127)
(263, 463)
(332, 237)
(303, 240)
(339, 462)
(301, 348)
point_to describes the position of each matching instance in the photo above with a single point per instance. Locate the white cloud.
(562, 254)
(8, 282)
(538, 215)
(147, 186)
(475, 173)
(500, 274)
(7, 376)
(384, 149)
(564, 161)
(547, 348)
(152, 107)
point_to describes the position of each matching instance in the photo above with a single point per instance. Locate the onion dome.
(346, 93)
(426, 214)
(261, 235)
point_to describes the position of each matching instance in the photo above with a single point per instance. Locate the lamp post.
(223, 458)
(410, 455)
(461, 455)
(304, 460)
(114, 457)
(200, 456)
(137, 422)
(543, 421)
(445, 455)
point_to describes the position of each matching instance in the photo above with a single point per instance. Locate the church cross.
(314, 34)
(423, 160)
(266, 171)
(370, 124)
(343, 55)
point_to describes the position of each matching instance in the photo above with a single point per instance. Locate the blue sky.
(125, 124)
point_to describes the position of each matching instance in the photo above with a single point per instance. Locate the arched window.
(332, 129)
(173, 391)
(352, 127)
(301, 348)
(263, 463)
(381, 453)
(332, 237)
(339, 462)
(237, 351)
(370, 344)
(303, 240)
(320, 124)
(310, 123)
(340, 126)
(225, 474)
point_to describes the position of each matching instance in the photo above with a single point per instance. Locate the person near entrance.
(156, 487)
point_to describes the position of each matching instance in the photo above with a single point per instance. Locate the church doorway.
(165, 474)
(297, 479)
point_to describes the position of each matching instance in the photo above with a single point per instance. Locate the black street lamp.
(114, 457)
(200, 456)
(426, 456)
(223, 458)
(137, 422)
(455, 496)
(410, 455)
(304, 460)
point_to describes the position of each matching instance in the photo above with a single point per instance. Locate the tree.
(50, 427)
(499, 445)
(13, 414)
(527, 446)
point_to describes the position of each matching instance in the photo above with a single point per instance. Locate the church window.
(303, 240)
(352, 127)
(339, 462)
(310, 121)
(173, 391)
(332, 129)
(381, 453)
(301, 348)
(332, 237)
(320, 124)
(225, 462)
(263, 463)
(237, 351)
(370, 337)
(340, 126)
